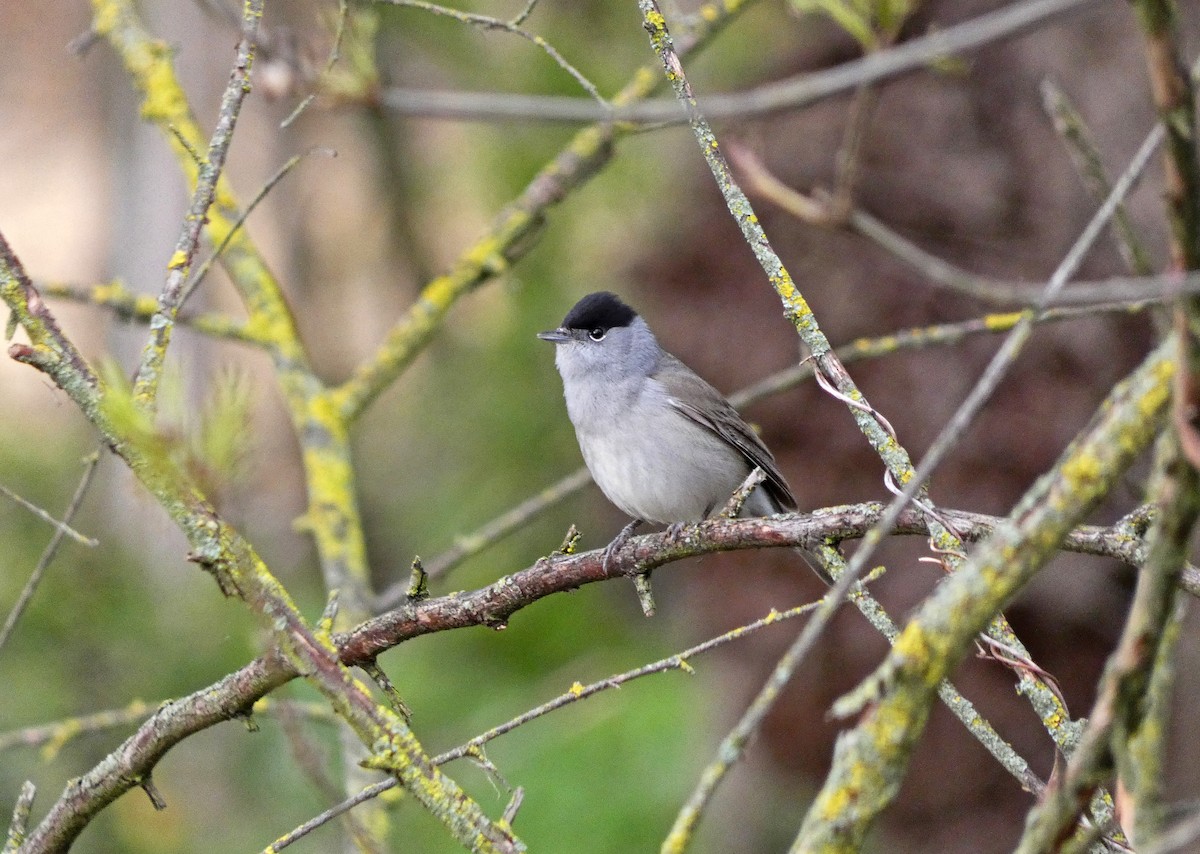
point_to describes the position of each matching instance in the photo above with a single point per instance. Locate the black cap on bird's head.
(594, 315)
(601, 310)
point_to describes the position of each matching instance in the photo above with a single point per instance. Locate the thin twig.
(1086, 157)
(127, 305)
(19, 824)
(61, 530)
(577, 692)
(270, 184)
(53, 737)
(487, 22)
(313, 762)
(145, 386)
(335, 53)
(937, 270)
(936, 335)
(791, 94)
(469, 545)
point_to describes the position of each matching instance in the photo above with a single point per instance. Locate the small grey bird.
(662, 444)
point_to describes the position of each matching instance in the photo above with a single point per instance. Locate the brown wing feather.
(713, 412)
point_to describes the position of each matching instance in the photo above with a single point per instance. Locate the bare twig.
(313, 763)
(487, 22)
(1084, 154)
(61, 530)
(53, 737)
(577, 692)
(937, 335)
(266, 188)
(792, 94)
(335, 53)
(127, 305)
(817, 211)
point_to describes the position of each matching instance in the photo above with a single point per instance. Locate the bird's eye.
(597, 334)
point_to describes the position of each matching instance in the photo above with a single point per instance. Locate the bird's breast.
(656, 464)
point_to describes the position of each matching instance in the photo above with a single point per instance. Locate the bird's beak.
(555, 336)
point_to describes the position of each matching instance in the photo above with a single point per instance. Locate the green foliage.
(211, 451)
(872, 23)
(356, 71)
(127, 419)
(219, 446)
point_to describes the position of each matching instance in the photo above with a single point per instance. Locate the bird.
(662, 444)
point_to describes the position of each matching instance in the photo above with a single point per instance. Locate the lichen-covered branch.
(221, 550)
(127, 305)
(508, 236)
(1172, 90)
(779, 96)
(870, 759)
(236, 694)
(154, 353)
(149, 63)
(1119, 713)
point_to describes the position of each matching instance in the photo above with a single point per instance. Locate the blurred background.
(961, 159)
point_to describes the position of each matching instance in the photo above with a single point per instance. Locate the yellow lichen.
(1002, 321)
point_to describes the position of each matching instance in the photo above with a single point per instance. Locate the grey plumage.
(662, 444)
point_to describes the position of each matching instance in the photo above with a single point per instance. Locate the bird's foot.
(675, 531)
(618, 541)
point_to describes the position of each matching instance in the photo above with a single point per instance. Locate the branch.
(487, 22)
(1084, 154)
(127, 305)
(784, 95)
(35, 577)
(917, 338)
(508, 236)
(1043, 697)
(238, 569)
(154, 353)
(235, 695)
(1119, 708)
(870, 759)
(577, 692)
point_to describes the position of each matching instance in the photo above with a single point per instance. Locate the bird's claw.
(618, 542)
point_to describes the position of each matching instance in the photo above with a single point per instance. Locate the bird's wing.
(713, 412)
